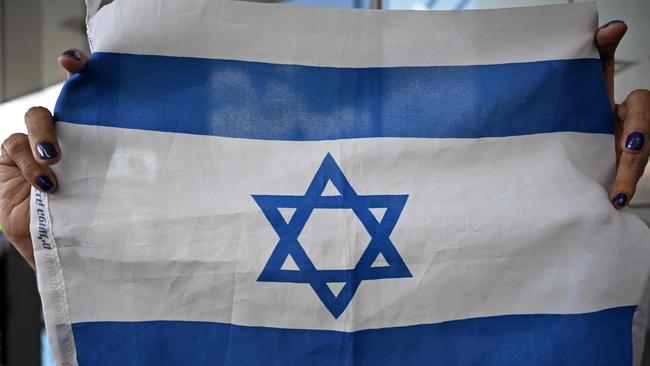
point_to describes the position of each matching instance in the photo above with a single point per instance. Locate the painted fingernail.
(44, 183)
(612, 22)
(620, 200)
(635, 141)
(46, 150)
(73, 54)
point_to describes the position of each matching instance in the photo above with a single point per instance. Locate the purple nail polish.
(635, 141)
(46, 150)
(73, 54)
(611, 22)
(620, 200)
(44, 183)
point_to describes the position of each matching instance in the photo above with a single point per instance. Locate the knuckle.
(30, 170)
(644, 93)
(37, 113)
(634, 164)
(14, 144)
(639, 121)
(639, 95)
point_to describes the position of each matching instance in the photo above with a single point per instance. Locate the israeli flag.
(256, 184)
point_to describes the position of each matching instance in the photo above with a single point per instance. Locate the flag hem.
(51, 283)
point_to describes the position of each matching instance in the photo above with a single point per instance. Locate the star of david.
(289, 245)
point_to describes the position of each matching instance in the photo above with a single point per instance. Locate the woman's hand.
(631, 120)
(26, 161)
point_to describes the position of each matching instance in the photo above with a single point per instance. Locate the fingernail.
(612, 22)
(46, 150)
(44, 183)
(620, 200)
(73, 54)
(635, 141)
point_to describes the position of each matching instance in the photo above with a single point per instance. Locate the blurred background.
(34, 32)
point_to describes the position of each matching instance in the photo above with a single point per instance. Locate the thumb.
(73, 61)
(607, 38)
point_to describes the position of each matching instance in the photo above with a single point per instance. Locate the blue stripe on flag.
(288, 102)
(599, 338)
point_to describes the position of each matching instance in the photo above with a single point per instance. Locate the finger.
(634, 146)
(42, 139)
(607, 38)
(15, 149)
(73, 61)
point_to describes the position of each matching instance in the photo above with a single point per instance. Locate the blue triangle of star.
(288, 245)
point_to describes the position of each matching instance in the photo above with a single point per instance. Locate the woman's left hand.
(631, 120)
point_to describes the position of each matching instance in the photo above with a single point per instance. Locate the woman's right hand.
(26, 161)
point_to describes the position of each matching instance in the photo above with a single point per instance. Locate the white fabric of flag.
(262, 184)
